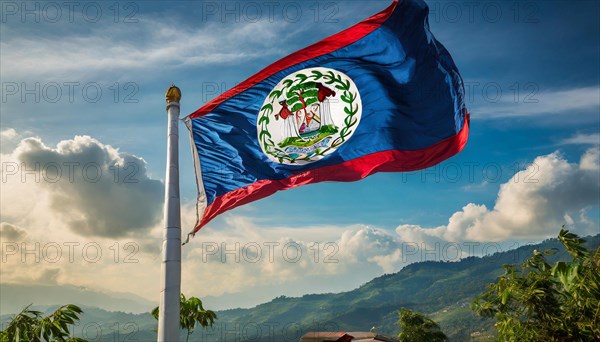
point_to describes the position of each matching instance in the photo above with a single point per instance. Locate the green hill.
(442, 290)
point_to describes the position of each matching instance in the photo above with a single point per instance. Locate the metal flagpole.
(170, 278)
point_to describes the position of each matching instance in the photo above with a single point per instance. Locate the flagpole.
(170, 278)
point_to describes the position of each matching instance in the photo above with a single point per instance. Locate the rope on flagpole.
(188, 238)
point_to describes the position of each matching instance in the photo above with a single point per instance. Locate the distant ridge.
(13, 297)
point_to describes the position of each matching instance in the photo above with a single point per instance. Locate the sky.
(83, 146)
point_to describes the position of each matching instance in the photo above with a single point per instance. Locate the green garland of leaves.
(351, 109)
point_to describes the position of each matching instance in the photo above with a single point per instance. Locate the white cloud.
(582, 139)
(531, 207)
(147, 45)
(590, 160)
(8, 133)
(93, 188)
(9, 139)
(553, 102)
(290, 261)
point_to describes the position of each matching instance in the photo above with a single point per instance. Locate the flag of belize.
(381, 96)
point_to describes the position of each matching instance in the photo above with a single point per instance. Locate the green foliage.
(414, 327)
(191, 312)
(30, 326)
(302, 95)
(540, 302)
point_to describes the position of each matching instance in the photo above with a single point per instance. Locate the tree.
(30, 326)
(192, 312)
(415, 327)
(541, 302)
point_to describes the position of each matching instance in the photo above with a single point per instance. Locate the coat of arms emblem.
(308, 115)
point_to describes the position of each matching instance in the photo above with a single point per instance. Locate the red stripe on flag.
(349, 171)
(325, 46)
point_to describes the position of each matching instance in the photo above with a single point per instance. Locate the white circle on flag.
(308, 115)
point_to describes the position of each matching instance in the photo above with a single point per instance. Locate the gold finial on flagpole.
(173, 94)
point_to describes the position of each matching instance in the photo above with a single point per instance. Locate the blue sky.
(533, 89)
